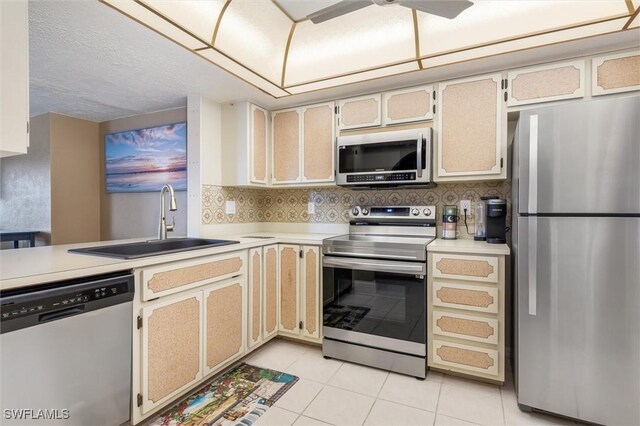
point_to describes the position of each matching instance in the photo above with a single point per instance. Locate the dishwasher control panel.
(58, 301)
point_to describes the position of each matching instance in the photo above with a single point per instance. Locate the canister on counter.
(450, 222)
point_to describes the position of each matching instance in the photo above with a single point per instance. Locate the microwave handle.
(419, 152)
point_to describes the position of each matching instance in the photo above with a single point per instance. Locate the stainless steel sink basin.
(151, 248)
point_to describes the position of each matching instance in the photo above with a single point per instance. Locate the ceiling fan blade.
(338, 9)
(445, 8)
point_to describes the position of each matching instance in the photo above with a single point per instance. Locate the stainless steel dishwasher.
(65, 352)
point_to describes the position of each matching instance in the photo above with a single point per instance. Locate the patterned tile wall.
(332, 204)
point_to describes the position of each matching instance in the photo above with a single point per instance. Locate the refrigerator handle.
(533, 164)
(532, 266)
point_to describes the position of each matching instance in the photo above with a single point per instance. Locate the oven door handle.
(419, 153)
(404, 268)
(331, 251)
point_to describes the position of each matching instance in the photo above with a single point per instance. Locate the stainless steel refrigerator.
(576, 204)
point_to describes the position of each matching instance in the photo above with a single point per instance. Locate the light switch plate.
(465, 204)
(230, 207)
(311, 207)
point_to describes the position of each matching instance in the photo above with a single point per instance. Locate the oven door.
(376, 303)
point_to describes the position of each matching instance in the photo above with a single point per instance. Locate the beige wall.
(25, 186)
(75, 180)
(128, 215)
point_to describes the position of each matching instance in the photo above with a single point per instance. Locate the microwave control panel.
(381, 177)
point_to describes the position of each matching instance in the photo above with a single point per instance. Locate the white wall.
(129, 215)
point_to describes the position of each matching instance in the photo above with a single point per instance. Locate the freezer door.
(582, 157)
(578, 317)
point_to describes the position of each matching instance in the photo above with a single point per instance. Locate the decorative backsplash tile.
(332, 204)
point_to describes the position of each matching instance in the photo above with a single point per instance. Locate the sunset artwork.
(144, 160)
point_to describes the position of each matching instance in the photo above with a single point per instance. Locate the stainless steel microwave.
(396, 158)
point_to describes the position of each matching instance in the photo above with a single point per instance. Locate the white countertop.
(470, 246)
(31, 266)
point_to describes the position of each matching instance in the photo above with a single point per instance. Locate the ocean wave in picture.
(144, 160)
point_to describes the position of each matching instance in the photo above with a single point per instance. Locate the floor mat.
(238, 397)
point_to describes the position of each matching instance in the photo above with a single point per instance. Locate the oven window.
(383, 156)
(378, 303)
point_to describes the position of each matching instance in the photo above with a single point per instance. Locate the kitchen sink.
(151, 248)
(261, 237)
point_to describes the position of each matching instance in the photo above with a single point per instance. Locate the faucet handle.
(172, 226)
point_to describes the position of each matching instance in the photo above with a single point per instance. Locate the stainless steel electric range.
(375, 289)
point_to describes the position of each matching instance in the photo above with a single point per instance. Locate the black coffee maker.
(496, 221)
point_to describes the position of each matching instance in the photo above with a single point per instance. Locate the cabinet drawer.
(467, 327)
(179, 276)
(465, 357)
(465, 267)
(465, 296)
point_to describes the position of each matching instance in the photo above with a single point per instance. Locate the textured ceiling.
(89, 61)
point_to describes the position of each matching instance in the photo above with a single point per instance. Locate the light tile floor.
(340, 393)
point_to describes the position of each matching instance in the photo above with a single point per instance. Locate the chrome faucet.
(164, 228)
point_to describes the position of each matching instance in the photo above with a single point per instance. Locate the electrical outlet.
(311, 208)
(465, 204)
(230, 207)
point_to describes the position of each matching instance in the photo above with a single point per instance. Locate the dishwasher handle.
(62, 313)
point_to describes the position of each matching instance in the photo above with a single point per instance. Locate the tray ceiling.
(271, 45)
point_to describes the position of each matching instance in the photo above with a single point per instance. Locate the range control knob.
(365, 211)
(415, 212)
(427, 212)
(355, 211)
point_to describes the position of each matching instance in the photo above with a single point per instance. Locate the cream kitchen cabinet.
(299, 292)
(408, 105)
(262, 295)
(615, 73)
(270, 293)
(190, 321)
(225, 316)
(471, 142)
(245, 145)
(363, 111)
(546, 83)
(14, 77)
(255, 290)
(303, 145)
(466, 312)
(171, 349)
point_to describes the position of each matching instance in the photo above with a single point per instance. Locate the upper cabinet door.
(14, 77)
(546, 83)
(286, 146)
(258, 145)
(363, 111)
(407, 105)
(471, 126)
(318, 142)
(615, 73)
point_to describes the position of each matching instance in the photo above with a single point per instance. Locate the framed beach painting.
(144, 160)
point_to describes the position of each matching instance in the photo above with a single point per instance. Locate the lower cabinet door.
(310, 276)
(225, 318)
(171, 348)
(270, 291)
(288, 290)
(254, 293)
